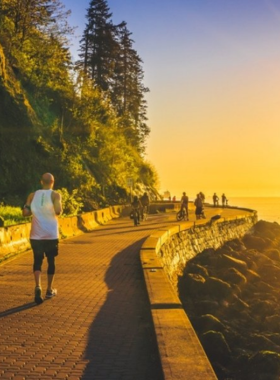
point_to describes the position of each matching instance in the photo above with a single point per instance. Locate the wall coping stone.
(182, 355)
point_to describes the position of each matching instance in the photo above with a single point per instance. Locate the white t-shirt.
(44, 224)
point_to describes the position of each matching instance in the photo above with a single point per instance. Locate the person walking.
(145, 201)
(44, 205)
(185, 205)
(136, 210)
(199, 212)
(215, 200)
(224, 200)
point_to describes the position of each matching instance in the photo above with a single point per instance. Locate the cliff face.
(43, 128)
(19, 128)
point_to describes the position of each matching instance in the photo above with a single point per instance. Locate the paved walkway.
(99, 326)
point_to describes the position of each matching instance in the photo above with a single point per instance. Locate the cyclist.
(185, 205)
(145, 201)
(136, 210)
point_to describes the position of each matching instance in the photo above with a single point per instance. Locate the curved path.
(99, 326)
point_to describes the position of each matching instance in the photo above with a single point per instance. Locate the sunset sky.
(213, 69)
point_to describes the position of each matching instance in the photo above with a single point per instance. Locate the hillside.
(55, 117)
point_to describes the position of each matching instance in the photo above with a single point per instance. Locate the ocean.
(268, 208)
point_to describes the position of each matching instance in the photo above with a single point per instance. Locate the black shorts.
(47, 247)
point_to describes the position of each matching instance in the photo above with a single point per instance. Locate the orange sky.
(215, 116)
(213, 68)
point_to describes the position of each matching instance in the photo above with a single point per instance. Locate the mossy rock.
(206, 307)
(265, 363)
(194, 283)
(227, 261)
(252, 276)
(197, 269)
(216, 346)
(272, 323)
(273, 254)
(270, 273)
(233, 276)
(236, 245)
(263, 308)
(267, 229)
(217, 288)
(208, 322)
(256, 242)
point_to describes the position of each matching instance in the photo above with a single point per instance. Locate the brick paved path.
(98, 327)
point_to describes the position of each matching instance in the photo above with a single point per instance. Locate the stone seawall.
(183, 246)
(163, 257)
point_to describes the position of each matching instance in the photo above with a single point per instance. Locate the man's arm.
(56, 198)
(26, 211)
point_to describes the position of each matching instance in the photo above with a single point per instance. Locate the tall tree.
(128, 95)
(98, 45)
(35, 16)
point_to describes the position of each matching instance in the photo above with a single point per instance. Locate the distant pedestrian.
(136, 210)
(215, 200)
(174, 199)
(202, 196)
(224, 200)
(199, 212)
(44, 205)
(185, 205)
(145, 201)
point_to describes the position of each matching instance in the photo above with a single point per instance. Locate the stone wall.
(164, 255)
(184, 245)
(15, 239)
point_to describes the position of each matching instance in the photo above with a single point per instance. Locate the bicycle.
(135, 215)
(182, 215)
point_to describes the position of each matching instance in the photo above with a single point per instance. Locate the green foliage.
(148, 174)
(71, 202)
(87, 127)
(12, 215)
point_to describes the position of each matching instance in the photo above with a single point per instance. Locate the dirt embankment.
(232, 297)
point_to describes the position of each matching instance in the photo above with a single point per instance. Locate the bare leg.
(50, 281)
(37, 277)
(38, 290)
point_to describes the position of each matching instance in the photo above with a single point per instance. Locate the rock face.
(232, 297)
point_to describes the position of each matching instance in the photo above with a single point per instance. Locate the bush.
(11, 215)
(71, 203)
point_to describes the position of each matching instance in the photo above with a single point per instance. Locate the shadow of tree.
(122, 343)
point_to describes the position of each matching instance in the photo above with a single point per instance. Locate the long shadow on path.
(17, 309)
(122, 343)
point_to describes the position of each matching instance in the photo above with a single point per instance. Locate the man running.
(44, 205)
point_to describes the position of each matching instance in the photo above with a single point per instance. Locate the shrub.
(71, 202)
(11, 215)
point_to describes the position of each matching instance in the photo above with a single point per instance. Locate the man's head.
(184, 193)
(47, 181)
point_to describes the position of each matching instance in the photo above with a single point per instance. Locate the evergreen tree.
(128, 95)
(98, 45)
